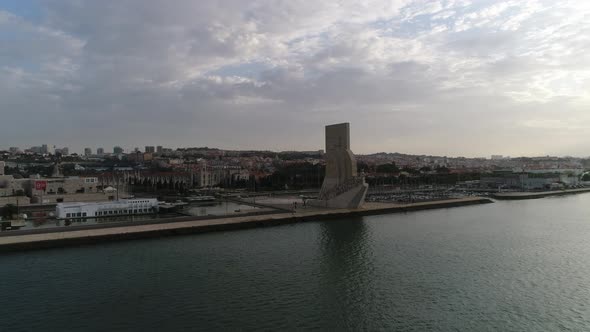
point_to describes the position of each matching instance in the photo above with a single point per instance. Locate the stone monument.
(342, 187)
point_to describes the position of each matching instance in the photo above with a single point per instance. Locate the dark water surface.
(508, 266)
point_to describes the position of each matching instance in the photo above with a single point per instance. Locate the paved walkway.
(78, 237)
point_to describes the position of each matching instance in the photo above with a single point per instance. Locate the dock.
(540, 194)
(76, 237)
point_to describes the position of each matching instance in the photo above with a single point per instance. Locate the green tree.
(387, 168)
(442, 170)
(425, 169)
(410, 170)
(8, 211)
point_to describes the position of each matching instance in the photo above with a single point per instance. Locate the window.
(79, 214)
(68, 215)
(84, 214)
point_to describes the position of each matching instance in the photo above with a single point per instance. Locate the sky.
(449, 77)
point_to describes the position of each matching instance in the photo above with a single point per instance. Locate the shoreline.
(108, 233)
(540, 194)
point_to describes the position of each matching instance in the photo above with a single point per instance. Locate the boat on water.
(13, 224)
(165, 206)
(80, 210)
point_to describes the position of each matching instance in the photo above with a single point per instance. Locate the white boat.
(171, 206)
(200, 198)
(76, 210)
(7, 225)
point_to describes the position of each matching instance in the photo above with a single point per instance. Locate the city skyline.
(102, 150)
(455, 78)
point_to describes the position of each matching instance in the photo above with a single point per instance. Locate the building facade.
(76, 210)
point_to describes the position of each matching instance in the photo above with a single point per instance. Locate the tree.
(410, 170)
(387, 168)
(362, 166)
(442, 170)
(425, 169)
(8, 211)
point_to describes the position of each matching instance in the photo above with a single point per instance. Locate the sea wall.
(77, 237)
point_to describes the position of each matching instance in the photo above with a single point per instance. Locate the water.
(508, 266)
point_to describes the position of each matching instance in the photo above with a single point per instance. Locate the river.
(507, 266)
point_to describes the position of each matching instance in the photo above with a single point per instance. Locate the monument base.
(352, 198)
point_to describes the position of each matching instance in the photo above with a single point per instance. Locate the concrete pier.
(73, 237)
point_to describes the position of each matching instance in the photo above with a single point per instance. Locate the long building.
(106, 209)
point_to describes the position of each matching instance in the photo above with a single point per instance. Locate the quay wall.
(75, 237)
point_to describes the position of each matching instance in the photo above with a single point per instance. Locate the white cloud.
(136, 71)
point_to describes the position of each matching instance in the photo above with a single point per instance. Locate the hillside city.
(45, 174)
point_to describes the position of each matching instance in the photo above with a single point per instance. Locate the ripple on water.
(509, 266)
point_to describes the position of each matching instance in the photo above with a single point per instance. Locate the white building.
(106, 209)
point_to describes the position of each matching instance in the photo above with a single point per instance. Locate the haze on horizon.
(453, 77)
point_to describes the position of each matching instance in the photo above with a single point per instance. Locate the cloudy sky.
(448, 77)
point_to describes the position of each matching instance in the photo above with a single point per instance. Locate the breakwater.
(73, 237)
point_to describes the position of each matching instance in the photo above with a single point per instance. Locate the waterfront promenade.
(540, 194)
(71, 236)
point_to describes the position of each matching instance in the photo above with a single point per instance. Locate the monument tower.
(342, 187)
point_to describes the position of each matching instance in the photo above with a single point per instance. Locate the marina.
(540, 194)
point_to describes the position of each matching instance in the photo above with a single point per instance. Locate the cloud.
(434, 77)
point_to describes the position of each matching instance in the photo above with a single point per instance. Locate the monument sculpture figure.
(342, 187)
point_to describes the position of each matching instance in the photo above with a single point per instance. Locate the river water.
(508, 266)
